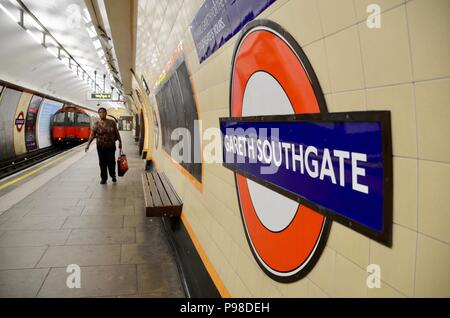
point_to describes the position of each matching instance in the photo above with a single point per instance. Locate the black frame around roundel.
(323, 109)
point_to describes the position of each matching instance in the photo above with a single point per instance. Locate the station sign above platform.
(217, 21)
(101, 96)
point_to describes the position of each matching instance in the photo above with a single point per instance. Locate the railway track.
(22, 162)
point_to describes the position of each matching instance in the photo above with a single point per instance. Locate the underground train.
(71, 125)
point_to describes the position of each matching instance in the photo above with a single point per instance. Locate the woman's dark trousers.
(107, 160)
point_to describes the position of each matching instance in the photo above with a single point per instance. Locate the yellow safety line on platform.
(3, 186)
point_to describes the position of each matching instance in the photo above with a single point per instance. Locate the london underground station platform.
(72, 219)
(305, 143)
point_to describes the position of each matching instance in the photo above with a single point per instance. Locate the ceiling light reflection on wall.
(92, 32)
(87, 16)
(11, 15)
(53, 51)
(97, 44)
(35, 37)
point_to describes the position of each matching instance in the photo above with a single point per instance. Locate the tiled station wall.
(403, 67)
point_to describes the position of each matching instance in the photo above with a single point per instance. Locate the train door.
(71, 131)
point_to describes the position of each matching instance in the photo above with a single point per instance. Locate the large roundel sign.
(272, 76)
(298, 167)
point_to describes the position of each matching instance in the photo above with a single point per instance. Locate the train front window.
(70, 119)
(83, 119)
(59, 119)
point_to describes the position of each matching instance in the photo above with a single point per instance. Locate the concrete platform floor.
(73, 219)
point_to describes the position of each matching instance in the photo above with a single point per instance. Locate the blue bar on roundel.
(340, 168)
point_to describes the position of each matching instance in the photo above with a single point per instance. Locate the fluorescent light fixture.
(97, 44)
(87, 16)
(9, 14)
(92, 32)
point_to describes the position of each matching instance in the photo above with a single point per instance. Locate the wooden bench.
(160, 197)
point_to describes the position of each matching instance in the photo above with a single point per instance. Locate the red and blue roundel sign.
(272, 76)
(20, 122)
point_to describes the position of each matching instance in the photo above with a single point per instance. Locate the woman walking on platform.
(106, 132)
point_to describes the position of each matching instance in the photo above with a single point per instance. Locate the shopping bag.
(122, 164)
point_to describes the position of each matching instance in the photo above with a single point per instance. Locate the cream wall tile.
(434, 200)
(315, 292)
(385, 51)
(329, 100)
(219, 171)
(211, 118)
(216, 98)
(299, 289)
(344, 60)
(273, 8)
(397, 263)
(238, 289)
(405, 192)
(323, 274)
(399, 100)
(251, 275)
(362, 5)
(336, 15)
(301, 19)
(222, 239)
(433, 117)
(192, 62)
(269, 290)
(239, 237)
(235, 254)
(348, 102)
(350, 279)
(350, 244)
(384, 292)
(317, 56)
(432, 274)
(222, 191)
(429, 26)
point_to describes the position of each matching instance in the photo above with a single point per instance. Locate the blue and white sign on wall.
(217, 21)
(338, 164)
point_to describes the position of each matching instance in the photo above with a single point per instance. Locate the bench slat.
(155, 195)
(162, 190)
(147, 195)
(169, 191)
(173, 196)
(161, 199)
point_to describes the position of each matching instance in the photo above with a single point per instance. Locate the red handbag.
(122, 164)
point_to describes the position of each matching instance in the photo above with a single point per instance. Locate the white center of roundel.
(264, 96)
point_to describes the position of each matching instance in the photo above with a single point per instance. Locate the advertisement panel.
(46, 111)
(19, 124)
(30, 123)
(8, 103)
